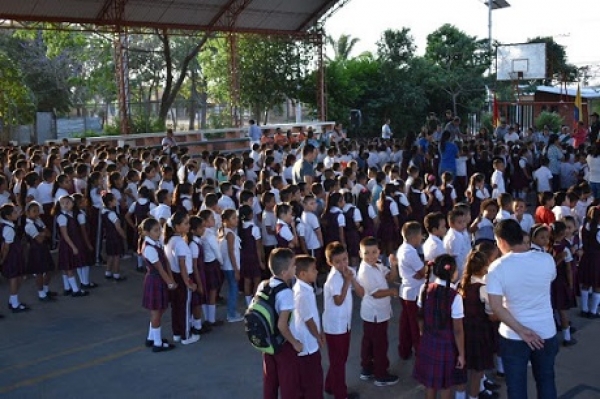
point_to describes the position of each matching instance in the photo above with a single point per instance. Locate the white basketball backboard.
(527, 61)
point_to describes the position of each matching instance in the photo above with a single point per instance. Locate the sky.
(571, 23)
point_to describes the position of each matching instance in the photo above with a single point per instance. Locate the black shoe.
(150, 342)
(80, 293)
(499, 374)
(52, 294)
(67, 292)
(352, 395)
(569, 343)
(488, 395)
(140, 269)
(90, 285)
(166, 346)
(204, 330)
(20, 309)
(119, 279)
(491, 385)
(386, 381)
(47, 298)
(573, 330)
(366, 375)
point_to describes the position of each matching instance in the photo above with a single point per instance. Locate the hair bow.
(447, 267)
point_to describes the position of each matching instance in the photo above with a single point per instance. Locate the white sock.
(499, 365)
(157, 336)
(481, 385)
(212, 313)
(42, 294)
(205, 311)
(46, 289)
(248, 300)
(197, 324)
(73, 284)
(140, 262)
(585, 297)
(85, 275)
(567, 334)
(66, 284)
(595, 302)
(460, 395)
(107, 273)
(80, 274)
(150, 332)
(116, 275)
(14, 301)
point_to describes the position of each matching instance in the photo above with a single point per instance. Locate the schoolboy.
(497, 180)
(456, 242)
(226, 201)
(375, 311)
(162, 212)
(505, 204)
(306, 327)
(412, 272)
(313, 235)
(435, 224)
(280, 371)
(337, 318)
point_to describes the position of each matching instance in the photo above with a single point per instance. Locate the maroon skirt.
(156, 293)
(213, 275)
(40, 259)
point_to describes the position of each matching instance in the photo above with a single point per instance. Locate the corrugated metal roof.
(586, 92)
(261, 16)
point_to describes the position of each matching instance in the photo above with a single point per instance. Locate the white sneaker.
(235, 319)
(176, 338)
(191, 340)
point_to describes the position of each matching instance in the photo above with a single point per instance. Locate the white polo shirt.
(433, 247)
(523, 280)
(526, 223)
(336, 319)
(305, 309)
(311, 223)
(176, 248)
(409, 264)
(372, 279)
(457, 245)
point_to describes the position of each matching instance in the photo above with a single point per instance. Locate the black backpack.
(261, 319)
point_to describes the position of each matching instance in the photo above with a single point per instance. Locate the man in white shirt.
(386, 132)
(518, 286)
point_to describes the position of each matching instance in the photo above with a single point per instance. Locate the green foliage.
(551, 119)
(16, 100)
(557, 67)
(487, 121)
(138, 124)
(342, 47)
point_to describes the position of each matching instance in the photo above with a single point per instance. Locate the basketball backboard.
(527, 61)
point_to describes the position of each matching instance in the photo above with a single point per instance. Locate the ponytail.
(425, 289)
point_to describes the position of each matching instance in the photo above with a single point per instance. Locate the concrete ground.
(93, 347)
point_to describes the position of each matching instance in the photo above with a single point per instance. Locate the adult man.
(518, 286)
(303, 170)
(501, 131)
(454, 128)
(579, 135)
(594, 127)
(386, 131)
(511, 136)
(254, 133)
(168, 141)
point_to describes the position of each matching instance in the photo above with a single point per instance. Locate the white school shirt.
(149, 184)
(269, 219)
(45, 193)
(194, 247)
(372, 279)
(461, 166)
(284, 300)
(30, 228)
(341, 219)
(526, 223)
(498, 181)
(433, 247)
(211, 247)
(581, 209)
(311, 222)
(8, 234)
(96, 198)
(237, 246)
(112, 215)
(336, 319)
(560, 211)
(186, 202)
(225, 202)
(409, 263)
(133, 195)
(176, 248)
(305, 309)
(167, 185)
(80, 185)
(543, 177)
(457, 245)
(141, 201)
(61, 220)
(285, 231)
(503, 215)
(162, 211)
(457, 309)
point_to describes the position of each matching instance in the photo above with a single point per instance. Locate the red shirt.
(544, 215)
(579, 136)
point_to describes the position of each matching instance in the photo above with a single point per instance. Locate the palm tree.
(342, 47)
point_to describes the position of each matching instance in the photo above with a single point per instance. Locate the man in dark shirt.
(594, 127)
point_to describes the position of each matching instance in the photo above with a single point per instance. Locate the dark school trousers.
(409, 329)
(374, 347)
(281, 373)
(311, 376)
(180, 307)
(338, 346)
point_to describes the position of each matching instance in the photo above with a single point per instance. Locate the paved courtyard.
(93, 348)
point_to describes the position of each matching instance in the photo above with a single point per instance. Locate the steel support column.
(321, 102)
(235, 80)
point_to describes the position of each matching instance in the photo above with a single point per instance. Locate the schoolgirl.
(95, 204)
(440, 360)
(137, 212)
(353, 220)
(299, 227)
(182, 198)
(70, 246)
(417, 200)
(476, 193)
(333, 220)
(285, 230)
(199, 295)
(573, 244)
(540, 237)
(435, 196)
(87, 249)
(251, 256)
(482, 227)
(367, 213)
(39, 261)
(212, 267)
(389, 226)
(448, 191)
(543, 213)
(589, 266)
(115, 186)
(115, 237)
(229, 243)
(11, 255)
(180, 260)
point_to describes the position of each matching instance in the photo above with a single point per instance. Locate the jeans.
(232, 293)
(516, 355)
(595, 189)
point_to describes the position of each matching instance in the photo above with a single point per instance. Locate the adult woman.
(555, 155)
(593, 161)
(448, 154)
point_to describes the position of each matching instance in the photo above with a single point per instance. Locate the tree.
(342, 47)
(557, 68)
(16, 100)
(396, 47)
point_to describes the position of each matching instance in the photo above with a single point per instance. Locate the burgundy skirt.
(40, 259)
(67, 260)
(212, 272)
(156, 293)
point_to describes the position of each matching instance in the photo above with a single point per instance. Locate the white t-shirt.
(526, 223)
(433, 247)
(305, 309)
(162, 211)
(176, 248)
(409, 264)
(498, 181)
(543, 177)
(373, 279)
(336, 319)
(523, 280)
(458, 246)
(237, 245)
(311, 222)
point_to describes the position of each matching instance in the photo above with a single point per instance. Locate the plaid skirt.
(156, 293)
(213, 275)
(67, 260)
(479, 345)
(435, 364)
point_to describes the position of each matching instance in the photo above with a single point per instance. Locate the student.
(13, 264)
(157, 283)
(543, 213)
(285, 231)
(251, 253)
(306, 327)
(389, 226)
(44, 193)
(269, 223)
(435, 195)
(39, 262)
(482, 228)
(163, 211)
(417, 200)
(449, 191)
(478, 326)
(455, 242)
(212, 267)
(199, 295)
(88, 255)
(313, 235)
(337, 317)
(70, 245)
(412, 272)
(180, 261)
(476, 193)
(435, 225)
(562, 205)
(375, 311)
(440, 361)
(281, 373)
(504, 206)
(138, 211)
(543, 176)
(229, 243)
(115, 237)
(525, 220)
(182, 198)
(497, 181)
(333, 219)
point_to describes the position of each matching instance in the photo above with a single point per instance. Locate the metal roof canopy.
(279, 17)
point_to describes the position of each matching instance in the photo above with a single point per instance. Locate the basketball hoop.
(515, 75)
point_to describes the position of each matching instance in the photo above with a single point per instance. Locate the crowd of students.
(196, 224)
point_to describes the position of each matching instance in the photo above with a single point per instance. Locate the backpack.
(261, 320)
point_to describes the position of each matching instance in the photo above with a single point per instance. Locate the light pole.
(494, 5)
